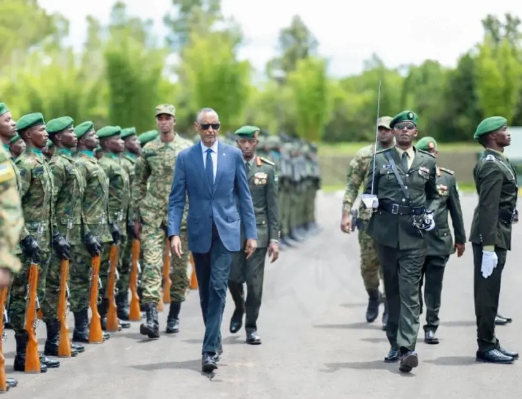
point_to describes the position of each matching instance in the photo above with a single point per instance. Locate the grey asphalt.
(316, 342)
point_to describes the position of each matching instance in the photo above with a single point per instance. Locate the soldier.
(314, 185)
(262, 180)
(150, 196)
(128, 160)
(48, 150)
(357, 175)
(286, 188)
(440, 243)
(11, 216)
(37, 235)
(95, 232)
(496, 183)
(16, 146)
(119, 199)
(67, 218)
(403, 194)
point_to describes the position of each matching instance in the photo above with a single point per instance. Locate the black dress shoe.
(208, 363)
(514, 355)
(236, 322)
(430, 338)
(124, 324)
(12, 382)
(253, 338)
(494, 356)
(392, 356)
(500, 321)
(409, 361)
(508, 319)
(50, 363)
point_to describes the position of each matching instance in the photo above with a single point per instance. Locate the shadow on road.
(194, 365)
(375, 340)
(354, 305)
(371, 365)
(453, 361)
(352, 326)
(459, 323)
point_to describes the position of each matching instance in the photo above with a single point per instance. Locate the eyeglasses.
(400, 126)
(206, 126)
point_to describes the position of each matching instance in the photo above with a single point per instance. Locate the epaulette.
(267, 161)
(489, 157)
(426, 152)
(447, 170)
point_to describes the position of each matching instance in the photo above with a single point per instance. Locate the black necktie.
(209, 168)
(247, 166)
(405, 160)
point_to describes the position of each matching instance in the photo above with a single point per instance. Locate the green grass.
(352, 148)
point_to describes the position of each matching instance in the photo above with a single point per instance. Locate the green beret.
(59, 124)
(14, 139)
(489, 125)
(130, 131)
(83, 128)
(427, 144)
(3, 109)
(248, 132)
(49, 144)
(404, 116)
(148, 136)
(30, 120)
(108, 131)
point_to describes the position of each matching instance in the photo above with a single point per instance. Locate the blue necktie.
(209, 168)
(405, 160)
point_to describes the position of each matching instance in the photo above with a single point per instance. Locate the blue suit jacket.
(206, 205)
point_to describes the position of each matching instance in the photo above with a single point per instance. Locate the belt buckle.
(395, 209)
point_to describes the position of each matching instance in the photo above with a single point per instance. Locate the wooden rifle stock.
(95, 330)
(32, 359)
(112, 315)
(3, 382)
(64, 345)
(166, 274)
(134, 309)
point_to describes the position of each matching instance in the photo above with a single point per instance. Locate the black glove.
(61, 246)
(92, 243)
(115, 232)
(130, 229)
(31, 248)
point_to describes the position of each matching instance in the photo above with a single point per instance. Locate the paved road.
(316, 343)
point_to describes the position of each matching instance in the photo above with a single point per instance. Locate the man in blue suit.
(213, 175)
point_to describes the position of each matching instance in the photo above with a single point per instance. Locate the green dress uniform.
(262, 181)
(440, 242)
(496, 184)
(395, 227)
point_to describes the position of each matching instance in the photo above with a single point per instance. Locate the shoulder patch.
(267, 161)
(489, 157)
(447, 170)
(6, 171)
(427, 153)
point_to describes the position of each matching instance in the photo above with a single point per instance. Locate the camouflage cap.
(166, 109)
(30, 120)
(384, 122)
(59, 124)
(14, 139)
(3, 109)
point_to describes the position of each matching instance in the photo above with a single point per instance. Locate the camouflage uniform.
(150, 196)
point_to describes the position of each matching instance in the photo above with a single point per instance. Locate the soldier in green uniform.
(37, 235)
(314, 185)
(67, 219)
(150, 196)
(440, 242)
(95, 232)
(357, 176)
(16, 146)
(128, 161)
(262, 181)
(496, 184)
(402, 191)
(119, 199)
(11, 216)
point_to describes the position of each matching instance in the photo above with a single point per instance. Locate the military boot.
(11, 382)
(21, 345)
(374, 298)
(237, 292)
(385, 315)
(81, 327)
(173, 318)
(53, 339)
(151, 327)
(122, 301)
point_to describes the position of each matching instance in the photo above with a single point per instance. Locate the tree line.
(122, 72)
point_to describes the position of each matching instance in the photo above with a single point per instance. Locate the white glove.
(370, 201)
(489, 262)
(432, 222)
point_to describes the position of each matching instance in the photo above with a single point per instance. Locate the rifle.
(134, 309)
(3, 382)
(166, 274)
(95, 330)
(112, 315)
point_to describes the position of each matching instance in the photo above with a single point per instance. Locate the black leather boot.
(122, 301)
(103, 308)
(385, 316)
(151, 327)
(21, 346)
(237, 292)
(53, 339)
(374, 298)
(173, 318)
(81, 327)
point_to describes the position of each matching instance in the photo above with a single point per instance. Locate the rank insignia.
(260, 178)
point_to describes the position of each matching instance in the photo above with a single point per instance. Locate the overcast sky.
(399, 31)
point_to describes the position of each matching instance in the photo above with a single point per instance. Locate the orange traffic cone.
(193, 278)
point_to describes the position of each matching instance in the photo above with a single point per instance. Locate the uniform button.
(406, 187)
(403, 200)
(407, 175)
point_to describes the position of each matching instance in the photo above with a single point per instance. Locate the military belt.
(508, 217)
(397, 209)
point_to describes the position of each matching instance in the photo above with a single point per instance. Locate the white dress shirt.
(213, 154)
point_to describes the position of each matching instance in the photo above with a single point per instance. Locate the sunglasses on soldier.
(205, 126)
(409, 126)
